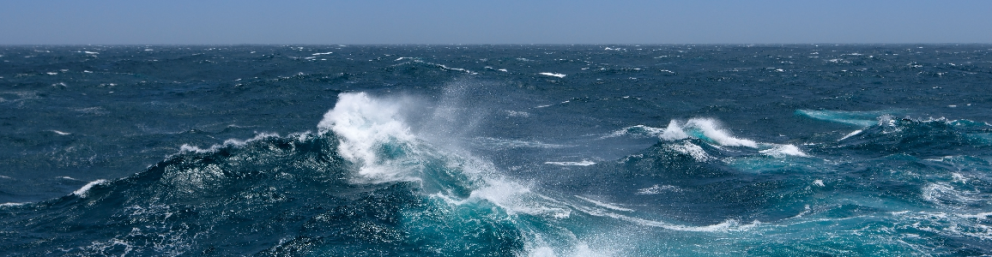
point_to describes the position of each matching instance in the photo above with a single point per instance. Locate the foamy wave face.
(372, 136)
(863, 119)
(370, 133)
(710, 131)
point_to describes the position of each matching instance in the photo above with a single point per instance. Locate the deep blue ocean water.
(612, 150)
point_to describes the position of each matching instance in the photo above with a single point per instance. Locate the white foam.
(93, 53)
(853, 133)
(952, 224)
(11, 204)
(648, 131)
(316, 54)
(581, 163)
(726, 226)
(673, 132)
(709, 128)
(819, 183)
(81, 192)
(52, 73)
(605, 205)
(958, 178)
(942, 194)
(515, 198)
(558, 75)
(442, 66)
(521, 114)
(503, 70)
(60, 133)
(454, 69)
(979, 216)
(363, 125)
(501, 143)
(658, 189)
(227, 143)
(691, 149)
(780, 151)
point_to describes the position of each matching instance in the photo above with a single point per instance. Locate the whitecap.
(636, 130)
(691, 149)
(364, 125)
(711, 131)
(853, 133)
(605, 205)
(11, 204)
(233, 142)
(81, 192)
(581, 163)
(520, 114)
(819, 183)
(658, 189)
(550, 74)
(673, 132)
(514, 198)
(780, 151)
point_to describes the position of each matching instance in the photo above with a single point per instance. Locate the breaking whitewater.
(496, 150)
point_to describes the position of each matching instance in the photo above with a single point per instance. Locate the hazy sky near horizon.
(493, 22)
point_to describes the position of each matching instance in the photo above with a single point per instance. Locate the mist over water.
(854, 150)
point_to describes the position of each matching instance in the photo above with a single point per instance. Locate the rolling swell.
(496, 150)
(270, 196)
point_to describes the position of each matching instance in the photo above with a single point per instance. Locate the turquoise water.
(672, 150)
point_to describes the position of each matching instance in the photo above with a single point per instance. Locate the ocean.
(496, 150)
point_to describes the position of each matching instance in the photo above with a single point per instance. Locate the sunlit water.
(623, 150)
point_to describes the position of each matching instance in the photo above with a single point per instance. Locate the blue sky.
(492, 22)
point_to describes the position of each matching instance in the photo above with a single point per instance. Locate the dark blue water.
(796, 150)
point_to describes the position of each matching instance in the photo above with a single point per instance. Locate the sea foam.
(365, 126)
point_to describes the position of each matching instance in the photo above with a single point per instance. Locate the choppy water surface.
(851, 150)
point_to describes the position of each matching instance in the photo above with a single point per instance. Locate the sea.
(496, 150)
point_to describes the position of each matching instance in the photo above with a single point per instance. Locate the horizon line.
(488, 44)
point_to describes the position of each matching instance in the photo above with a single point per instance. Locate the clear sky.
(492, 22)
